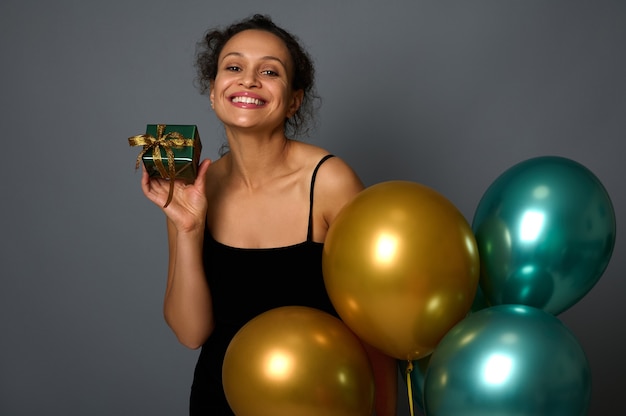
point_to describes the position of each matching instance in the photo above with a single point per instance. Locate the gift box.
(170, 151)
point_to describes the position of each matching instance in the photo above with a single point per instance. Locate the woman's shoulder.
(332, 169)
(336, 182)
(336, 176)
(311, 155)
(306, 150)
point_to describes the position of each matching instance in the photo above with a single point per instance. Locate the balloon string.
(409, 368)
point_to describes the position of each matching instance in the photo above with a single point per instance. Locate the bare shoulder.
(336, 184)
(335, 175)
(333, 171)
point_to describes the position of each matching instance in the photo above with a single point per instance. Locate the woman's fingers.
(157, 189)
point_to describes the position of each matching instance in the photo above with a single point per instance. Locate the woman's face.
(252, 89)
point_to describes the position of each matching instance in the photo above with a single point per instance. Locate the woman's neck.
(254, 161)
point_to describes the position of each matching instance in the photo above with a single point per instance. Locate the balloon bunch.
(469, 311)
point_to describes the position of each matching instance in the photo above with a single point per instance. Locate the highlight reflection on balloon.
(508, 360)
(545, 231)
(400, 265)
(296, 360)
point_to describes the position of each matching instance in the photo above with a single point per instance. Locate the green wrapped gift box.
(170, 151)
(184, 142)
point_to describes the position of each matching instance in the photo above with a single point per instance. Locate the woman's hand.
(188, 207)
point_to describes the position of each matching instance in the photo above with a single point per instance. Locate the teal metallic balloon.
(479, 302)
(545, 231)
(508, 360)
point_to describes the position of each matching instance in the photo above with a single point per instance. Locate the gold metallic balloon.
(401, 267)
(296, 360)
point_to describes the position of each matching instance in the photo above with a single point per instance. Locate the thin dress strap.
(309, 234)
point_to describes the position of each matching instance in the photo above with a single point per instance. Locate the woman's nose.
(249, 79)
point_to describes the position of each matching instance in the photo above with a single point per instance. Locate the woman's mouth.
(247, 100)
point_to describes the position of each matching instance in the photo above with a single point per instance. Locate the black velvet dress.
(245, 283)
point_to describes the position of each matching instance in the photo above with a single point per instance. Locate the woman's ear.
(211, 93)
(296, 101)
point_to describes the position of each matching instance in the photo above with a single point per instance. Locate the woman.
(264, 206)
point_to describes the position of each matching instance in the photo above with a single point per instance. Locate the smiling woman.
(303, 78)
(247, 236)
(258, 61)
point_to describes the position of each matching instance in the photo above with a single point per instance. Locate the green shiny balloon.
(479, 301)
(508, 360)
(545, 231)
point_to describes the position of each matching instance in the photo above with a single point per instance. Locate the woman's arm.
(187, 304)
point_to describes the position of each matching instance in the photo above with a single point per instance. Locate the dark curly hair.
(211, 45)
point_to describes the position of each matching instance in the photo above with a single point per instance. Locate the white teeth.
(247, 100)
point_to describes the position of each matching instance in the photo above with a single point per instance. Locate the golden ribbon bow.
(167, 141)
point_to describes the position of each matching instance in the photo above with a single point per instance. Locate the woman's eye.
(270, 73)
(233, 68)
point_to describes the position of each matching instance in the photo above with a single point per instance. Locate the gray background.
(446, 93)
